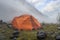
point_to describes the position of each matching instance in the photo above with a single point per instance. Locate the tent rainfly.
(25, 22)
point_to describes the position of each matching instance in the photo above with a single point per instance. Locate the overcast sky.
(49, 8)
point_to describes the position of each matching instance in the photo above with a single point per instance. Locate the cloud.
(46, 7)
(51, 6)
(32, 1)
(13, 8)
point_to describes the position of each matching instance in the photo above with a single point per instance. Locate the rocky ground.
(6, 31)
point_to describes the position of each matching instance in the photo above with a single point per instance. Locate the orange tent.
(25, 22)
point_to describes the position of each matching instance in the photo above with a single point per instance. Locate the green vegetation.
(50, 29)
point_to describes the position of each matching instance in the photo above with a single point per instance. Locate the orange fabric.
(25, 22)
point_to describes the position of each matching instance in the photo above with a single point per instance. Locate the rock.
(14, 38)
(58, 28)
(15, 35)
(15, 32)
(58, 37)
(9, 25)
(1, 21)
(2, 37)
(41, 35)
